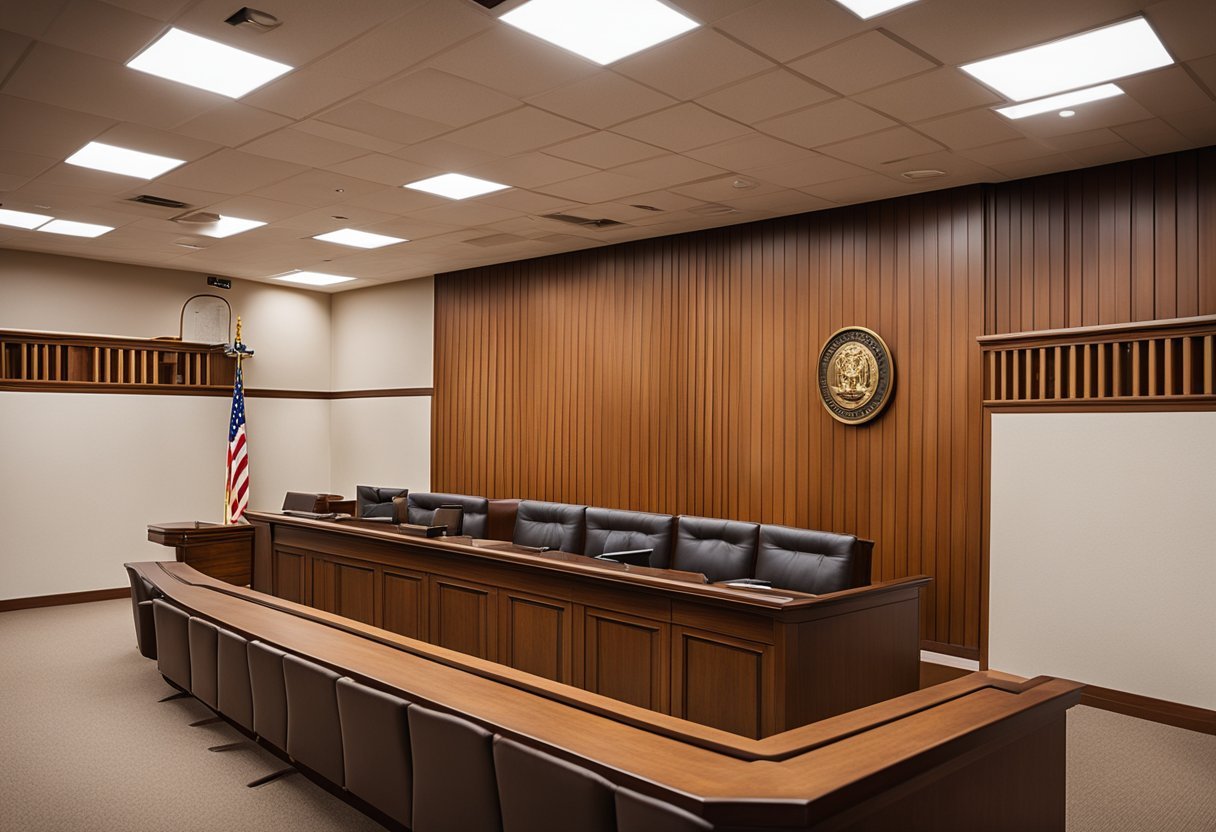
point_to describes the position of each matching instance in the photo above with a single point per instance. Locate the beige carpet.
(84, 745)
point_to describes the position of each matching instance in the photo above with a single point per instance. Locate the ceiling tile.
(513, 62)
(693, 64)
(29, 19)
(748, 152)
(159, 9)
(291, 145)
(1205, 68)
(318, 187)
(410, 228)
(959, 170)
(860, 63)
(83, 82)
(331, 218)
(602, 100)
(1167, 90)
(973, 128)
(812, 169)
(1103, 154)
(881, 148)
(1186, 27)
(383, 123)
(601, 186)
(825, 123)
(527, 202)
(1153, 136)
(12, 49)
(303, 92)
(1197, 125)
(681, 128)
(517, 131)
(441, 98)
(781, 203)
(1081, 140)
(724, 188)
(469, 212)
(399, 44)
(396, 201)
(387, 170)
(150, 140)
(25, 165)
(232, 124)
(343, 135)
(935, 93)
(668, 170)
(604, 150)
(764, 96)
(102, 30)
(871, 186)
(443, 155)
(30, 127)
(231, 172)
(785, 29)
(1106, 113)
(708, 11)
(530, 170)
(1016, 150)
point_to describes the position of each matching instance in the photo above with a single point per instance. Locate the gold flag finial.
(238, 329)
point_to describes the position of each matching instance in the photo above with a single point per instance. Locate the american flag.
(236, 483)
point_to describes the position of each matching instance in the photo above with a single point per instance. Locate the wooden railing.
(1157, 361)
(58, 361)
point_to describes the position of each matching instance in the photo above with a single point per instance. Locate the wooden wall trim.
(183, 390)
(36, 601)
(1146, 707)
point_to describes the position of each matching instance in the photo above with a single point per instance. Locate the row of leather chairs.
(417, 766)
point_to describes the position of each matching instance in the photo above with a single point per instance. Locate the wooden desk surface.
(989, 737)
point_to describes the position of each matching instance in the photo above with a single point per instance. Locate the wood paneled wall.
(1134, 241)
(678, 375)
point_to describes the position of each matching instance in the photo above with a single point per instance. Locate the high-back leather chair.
(639, 813)
(722, 550)
(233, 693)
(172, 643)
(423, 505)
(314, 733)
(372, 501)
(573, 797)
(811, 561)
(269, 693)
(610, 530)
(454, 785)
(142, 593)
(204, 661)
(376, 748)
(556, 525)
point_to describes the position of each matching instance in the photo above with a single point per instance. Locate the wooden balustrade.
(65, 361)
(1156, 361)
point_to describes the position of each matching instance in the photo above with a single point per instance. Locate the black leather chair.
(422, 507)
(372, 502)
(722, 550)
(556, 525)
(812, 561)
(610, 530)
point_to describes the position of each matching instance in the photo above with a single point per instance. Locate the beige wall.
(1103, 551)
(114, 463)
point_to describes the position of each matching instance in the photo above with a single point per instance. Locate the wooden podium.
(223, 552)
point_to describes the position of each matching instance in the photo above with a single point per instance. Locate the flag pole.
(239, 352)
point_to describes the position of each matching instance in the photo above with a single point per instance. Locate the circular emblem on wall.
(856, 375)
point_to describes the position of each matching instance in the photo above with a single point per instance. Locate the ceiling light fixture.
(1067, 113)
(22, 219)
(1078, 61)
(313, 278)
(865, 9)
(75, 229)
(599, 31)
(227, 226)
(1055, 102)
(207, 64)
(123, 161)
(927, 173)
(456, 186)
(358, 239)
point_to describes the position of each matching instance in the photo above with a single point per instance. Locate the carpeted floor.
(84, 745)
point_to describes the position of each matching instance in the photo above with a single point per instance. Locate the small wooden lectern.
(223, 552)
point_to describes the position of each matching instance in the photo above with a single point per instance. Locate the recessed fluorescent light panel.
(358, 239)
(22, 219)
(1078, 61)
(600, 30)
(75, 229)
(113, 159)
(227, 226)
(313, 278)
(456, 185)
(1059, 102)
(206, 64)
(865, 9)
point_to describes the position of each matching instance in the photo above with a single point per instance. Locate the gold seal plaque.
(856, 375)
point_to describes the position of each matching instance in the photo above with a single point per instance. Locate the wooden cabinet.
(463, 616)
(625, 657)
(721, 681)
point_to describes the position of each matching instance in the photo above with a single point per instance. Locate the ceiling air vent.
(583, 221)
(489, 4)
(158, 201)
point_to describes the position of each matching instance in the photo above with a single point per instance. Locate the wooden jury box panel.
(746, 672)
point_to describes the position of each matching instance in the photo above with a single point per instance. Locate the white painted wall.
(1103, 551)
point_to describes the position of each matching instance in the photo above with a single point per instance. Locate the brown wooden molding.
(200, 390)
(35, 601)
(1122, 405)
(1170, 327)
(950, 649)
(1146, 707)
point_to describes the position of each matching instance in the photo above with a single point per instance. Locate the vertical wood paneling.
(678, 375)
(1116, 244)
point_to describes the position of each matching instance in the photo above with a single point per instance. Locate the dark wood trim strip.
(1091, 334)
(36, 601)
(1124, 405)
(1154, 710)
(199, 390)
(950, 649)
